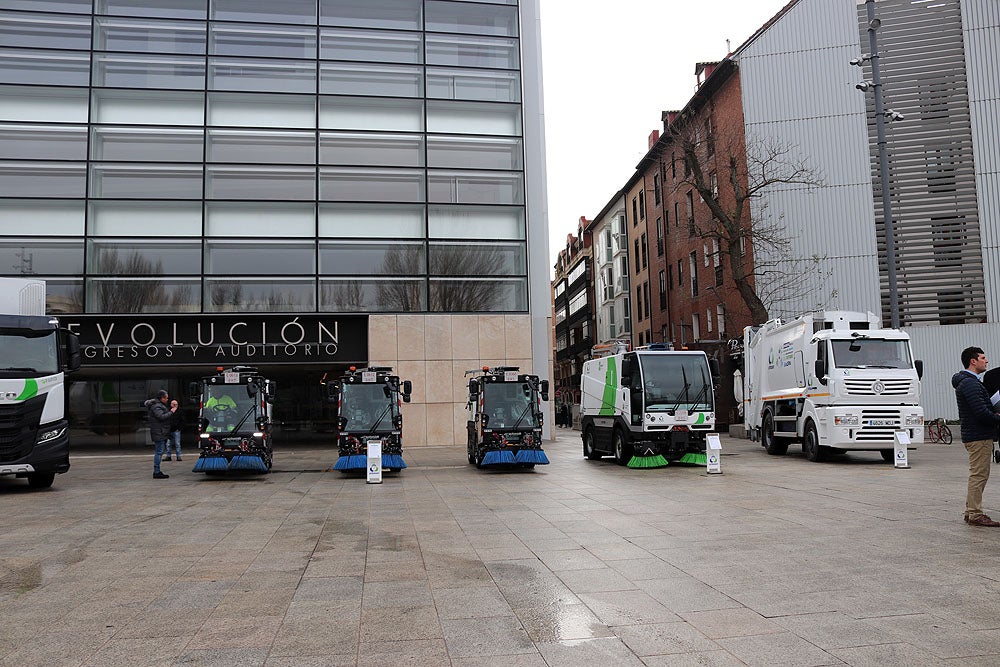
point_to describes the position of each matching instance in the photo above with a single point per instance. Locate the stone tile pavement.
(776, 562)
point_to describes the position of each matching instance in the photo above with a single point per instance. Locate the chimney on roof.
(654, 136)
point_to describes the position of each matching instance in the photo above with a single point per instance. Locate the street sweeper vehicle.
(505, 417)
(832, 381)
(234, 422)
(34, 356)
(648, 407)
(369, 402)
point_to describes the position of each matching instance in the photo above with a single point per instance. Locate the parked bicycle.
(937, 431)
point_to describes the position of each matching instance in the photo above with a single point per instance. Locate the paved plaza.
(776, 562)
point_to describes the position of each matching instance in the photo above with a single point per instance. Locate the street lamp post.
(883, 164)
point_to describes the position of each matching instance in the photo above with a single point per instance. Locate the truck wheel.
(623, 451)
(888, 455)
(41, 480)
(772, 445)
(588, 445)
(810, 444)
(468, 449)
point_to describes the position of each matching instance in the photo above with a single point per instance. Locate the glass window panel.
(75, 6)
(63, 296)
(263, 75)
(145, 181)
(472, 52)
(398, 14)
(51, 217)
(266, 11)
(370, 46)
(373, 295)
(25, 257)
(471, 187)
(143, 295)
(246, 182)
(149, 144)
(261, 296)
(269, 257)
(465, 84)
(149, 71)
(260, 218)
(492, 2)
(389, 150)
(386, 259)
(475, 152)
(247, 110)
(473, 118)
(152, 258)
(149, 107)
(477, 259)
(379, 80)
(180, 9)
(45, 30)
(44, 142)
(359, 113)
(403, 185)
(148, 36)
(266, 41)
(475, 222)
(24, 103)
(42, 179)
(462, 295)
(371, 220)
(472, 19)
(159, 218)
(57, 68)
(261, 146)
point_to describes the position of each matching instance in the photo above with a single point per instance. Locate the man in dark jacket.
(979, 425)
(160, 415)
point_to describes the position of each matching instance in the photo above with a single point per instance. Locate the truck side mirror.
(920, 368)
(545, 390)
(407, 390)
(270, 390)
(819, 370)
(332, 392)
(194, 392)
(713, 368)
(72, 346)
(251, 389)
(473, 388)
(626, 378)
(387, 391)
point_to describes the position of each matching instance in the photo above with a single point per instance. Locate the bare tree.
(731, 175)
(129, 296)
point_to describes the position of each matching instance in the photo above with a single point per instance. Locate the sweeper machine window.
(509, 404)
(368, 407)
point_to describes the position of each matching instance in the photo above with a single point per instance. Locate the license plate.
(881, 422)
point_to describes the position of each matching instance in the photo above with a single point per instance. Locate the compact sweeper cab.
(505, 417)
(648, 407)
(369, 402)
(234, 421)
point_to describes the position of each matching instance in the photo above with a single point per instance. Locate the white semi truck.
(832, 381)
(34, 355)
(648, 407)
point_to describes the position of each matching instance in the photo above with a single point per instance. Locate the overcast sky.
(609, 69)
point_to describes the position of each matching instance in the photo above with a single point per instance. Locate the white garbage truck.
(832, 381)
(34, 355)
(648, 407)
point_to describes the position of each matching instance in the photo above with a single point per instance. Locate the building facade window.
(693, 269)
(644, 250)
(689, 200)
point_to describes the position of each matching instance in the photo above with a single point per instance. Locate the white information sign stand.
(713, 453)
(375, 462)
(902, 442)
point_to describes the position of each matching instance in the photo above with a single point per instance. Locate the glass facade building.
(166, 157)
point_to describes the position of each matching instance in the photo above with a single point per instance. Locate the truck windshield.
(676, 381)
(871, 353)
(508, 402)
(226, 406)
(364, 406)
(32, 353)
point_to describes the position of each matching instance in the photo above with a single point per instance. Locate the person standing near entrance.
(176, 426)
(979, 426)
(160, 415)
